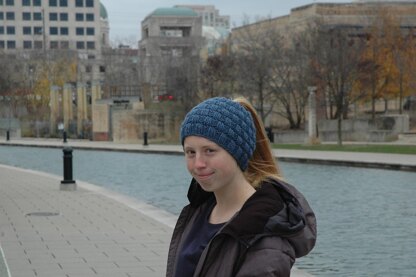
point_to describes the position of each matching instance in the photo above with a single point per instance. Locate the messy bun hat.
(225, 122)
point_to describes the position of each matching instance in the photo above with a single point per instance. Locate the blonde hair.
(262, 164)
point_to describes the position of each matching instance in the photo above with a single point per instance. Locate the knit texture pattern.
(226, 123)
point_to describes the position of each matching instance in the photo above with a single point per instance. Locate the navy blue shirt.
(199, 236)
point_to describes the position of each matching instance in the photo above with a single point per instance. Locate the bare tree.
(255, 51)
(121, 71)
(336, 64)
(172, 71)
(291, 76)
(182, 80)
(217, 76)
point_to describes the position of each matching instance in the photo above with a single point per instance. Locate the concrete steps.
(408, 137)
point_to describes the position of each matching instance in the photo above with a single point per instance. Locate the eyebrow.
(188, 147)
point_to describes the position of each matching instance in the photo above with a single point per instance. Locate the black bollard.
(270, 136)
(68, 183)
(145, 138)
(7, 135)
(64, 136)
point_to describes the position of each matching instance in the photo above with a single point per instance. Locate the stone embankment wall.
(385, 128)
(12, 125)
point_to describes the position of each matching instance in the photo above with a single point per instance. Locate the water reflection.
(366, 217)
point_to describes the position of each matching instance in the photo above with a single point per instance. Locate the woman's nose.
(199, 161)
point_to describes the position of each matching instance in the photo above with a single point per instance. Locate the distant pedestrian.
(243, 219)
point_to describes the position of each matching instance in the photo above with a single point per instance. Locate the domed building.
(105, 27)
(171, 38)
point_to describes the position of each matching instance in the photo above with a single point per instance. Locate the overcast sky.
(125, 16)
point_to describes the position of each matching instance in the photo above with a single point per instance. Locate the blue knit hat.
(225, 122)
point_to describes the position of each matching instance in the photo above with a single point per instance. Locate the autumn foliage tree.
(28, 77)
(56, 68)
(387, 60)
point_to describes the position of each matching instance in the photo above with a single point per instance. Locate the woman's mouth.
(203, 176)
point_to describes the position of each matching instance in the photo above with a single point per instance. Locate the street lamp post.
(10, 119)
(312, 132)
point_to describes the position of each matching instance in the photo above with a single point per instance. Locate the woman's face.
(212, 166)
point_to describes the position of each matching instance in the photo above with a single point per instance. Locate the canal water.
(366, 217)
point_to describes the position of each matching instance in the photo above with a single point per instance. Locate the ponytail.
(262, 165)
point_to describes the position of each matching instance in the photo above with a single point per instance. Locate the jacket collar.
(272, 209)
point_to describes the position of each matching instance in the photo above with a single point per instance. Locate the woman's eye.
(189, 152)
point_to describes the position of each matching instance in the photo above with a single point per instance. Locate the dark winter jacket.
(274, 226)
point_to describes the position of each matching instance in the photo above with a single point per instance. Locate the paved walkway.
(95, 232)
(87, 232)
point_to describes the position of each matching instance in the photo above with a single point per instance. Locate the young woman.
(242, 219)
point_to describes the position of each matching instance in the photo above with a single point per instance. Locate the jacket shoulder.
(304, 240)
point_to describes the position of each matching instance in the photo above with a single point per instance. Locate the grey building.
(79, 26)
(169, 50)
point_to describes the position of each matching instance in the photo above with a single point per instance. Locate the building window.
(64, 44)
(79, 31)
(38, 44)
(54, 44)
(10, 30)
(89, 17)
(11, 44)
(64, 31)
(63, 3)
(25, 2)
(90, 45)
(9, 2)
(26, 16)
(88, 68)
(1, 16)
(102, 68)
(63, 16)
(37, 30)
(10, 15)
(27, 44)
(80, 45)
(89, 3)
(79, 3)
(37, 16)
(53, 3)
(53, 30)
(90, 31)
(1, 30)
(79, 17)
(1, 44)
(27, 30)
(36, 3)
(53, 16)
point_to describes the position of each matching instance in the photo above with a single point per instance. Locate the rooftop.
(174, 11)
(103, 12)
